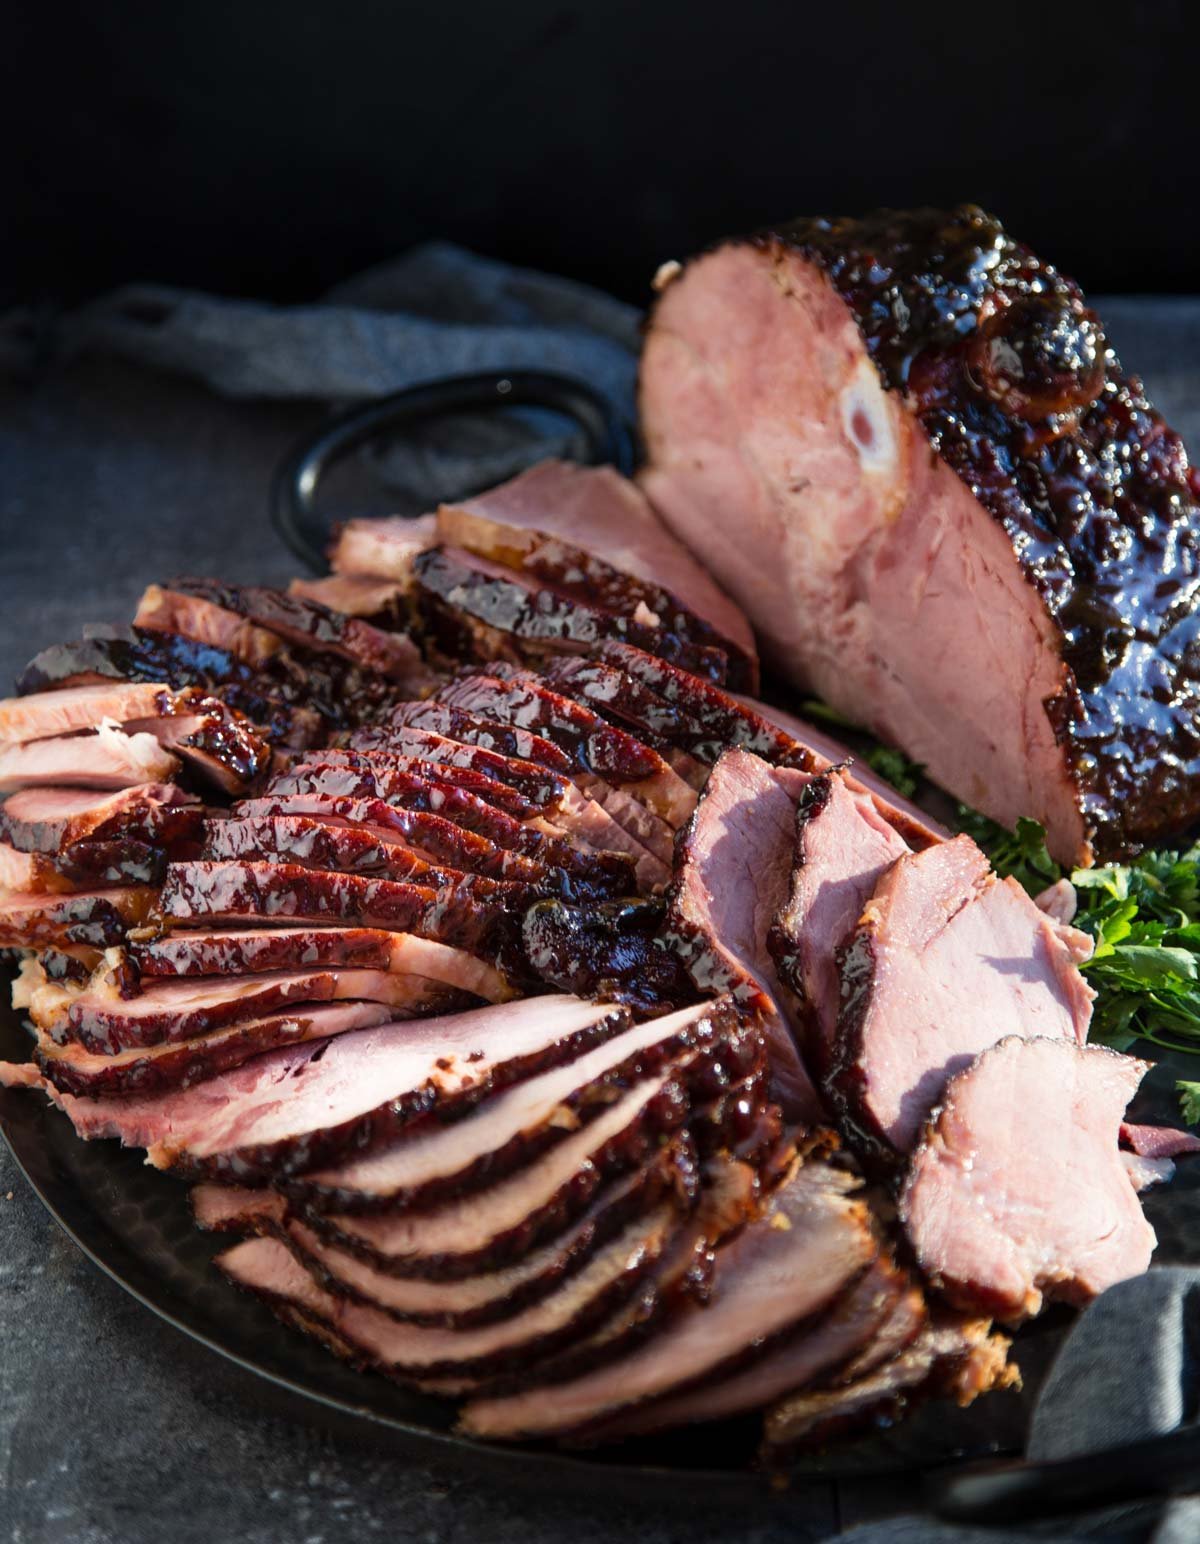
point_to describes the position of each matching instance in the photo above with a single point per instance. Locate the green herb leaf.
(895, 767)
(1189, 1102)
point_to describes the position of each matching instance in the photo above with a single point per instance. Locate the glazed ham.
(926, 985)
(984, 1223)
(1015, 609)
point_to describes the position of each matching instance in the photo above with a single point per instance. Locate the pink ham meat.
(946, 961)
(769, 1279)
(517, 1125)
(95, 919)
(591, 531)
(492, 1227)
(106, 758)
(304, 1106)
(49, 819)
(178, 1064)
(103, 1021)
(235, 952)
(381, 601)
(1018, 1191)
(418, 1352)
(874, 1319)
(537, 784)
(30, 871)
(191, 616)
(880, 415)
(47, 714)
(469, 912)
(706, 720)
(382, 548)
(843, 848)
(732, 874)
(443, 838)
(405, 780)
(312, 626)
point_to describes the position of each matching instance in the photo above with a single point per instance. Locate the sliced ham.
(486, 848)
(106, 758)
(946, 961)
(95, 919)
(312, 626)
(558, 521)
(771, 1277)
(47, 714)
(177, 1064)
(507, 739)
(355, 1091)
(49, 819)
(731, 879)
(247, 951)
(594, 746)
(470, 913)
(30, 871)
(537, 784)
(843, 848)
(494, 1226)
(192, 616)
(1158, 1141)
(407, 781)
(477, 609)
(957, 1357)
(1017, 1191)
(876, 1317)
(381, 601)
(516, 1126)
(382, 548)
(408, 1350)
(102, 1020)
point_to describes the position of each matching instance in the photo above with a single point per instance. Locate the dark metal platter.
(135, 1224)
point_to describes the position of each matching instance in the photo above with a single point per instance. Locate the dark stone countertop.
(114, 1428)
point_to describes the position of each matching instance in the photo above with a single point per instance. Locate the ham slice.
(381, 601)
(771, 1277)
(985, 1224)
(592, 530)
(103, 1021)
(106, 758)
(47, 714)
(304, 1106)
(946, 961)
(843, 848)
(409, 1351)
(171, 1064)
(49, 819)
(96, 919)
(536, 784)
(236, 953)
(516, 1126)
(731, 879)
(382, 548)
(495, 1226)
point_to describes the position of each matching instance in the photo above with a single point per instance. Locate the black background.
(271, 148)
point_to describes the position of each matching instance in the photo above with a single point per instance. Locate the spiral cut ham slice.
(732, 873)
(946, 961)
(983, 1222)
(516, 1126)
(303, 1106)
(768, 1279)
(235, 952)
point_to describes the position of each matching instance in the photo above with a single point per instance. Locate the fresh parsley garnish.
(895, 768)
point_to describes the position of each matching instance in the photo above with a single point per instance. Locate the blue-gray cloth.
(1124, 1372)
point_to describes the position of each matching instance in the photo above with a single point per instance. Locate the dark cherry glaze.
(613, 950)
(1010, 376)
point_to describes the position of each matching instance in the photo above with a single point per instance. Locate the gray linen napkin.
(1128, 1368)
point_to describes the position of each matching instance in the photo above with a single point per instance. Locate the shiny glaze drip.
(1009, 373)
